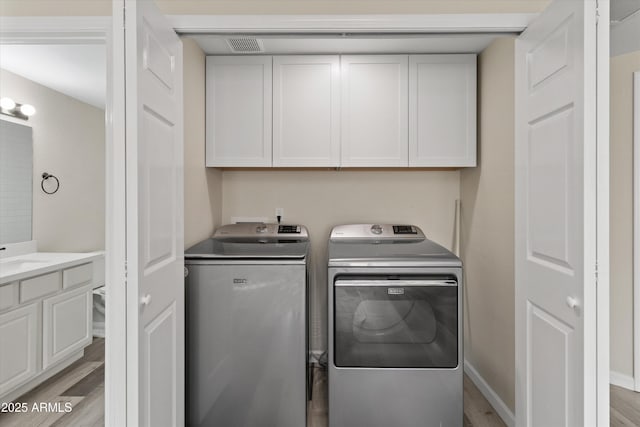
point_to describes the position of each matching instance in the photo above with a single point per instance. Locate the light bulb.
(27, 110)
(7, 103)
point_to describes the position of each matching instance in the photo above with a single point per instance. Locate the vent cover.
(245, 45)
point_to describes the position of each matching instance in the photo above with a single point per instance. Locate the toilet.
(98, 311)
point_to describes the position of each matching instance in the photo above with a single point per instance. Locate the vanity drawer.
(75, 276)
(8, 295)
(39, 286)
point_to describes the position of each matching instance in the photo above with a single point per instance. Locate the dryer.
(247, 327)
(395, 329)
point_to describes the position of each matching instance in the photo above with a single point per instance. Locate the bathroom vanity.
(45, 315)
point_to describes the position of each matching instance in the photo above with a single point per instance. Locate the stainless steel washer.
(395, 329)
(246, 327)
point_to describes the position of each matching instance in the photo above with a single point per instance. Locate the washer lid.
(216, 249)
(253, 240)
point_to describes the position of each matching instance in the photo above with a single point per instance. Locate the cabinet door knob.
(572, 302)
(146, 300)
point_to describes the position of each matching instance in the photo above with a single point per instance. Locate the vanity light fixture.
(20, 111)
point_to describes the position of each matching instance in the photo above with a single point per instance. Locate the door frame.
(94, 30)
(469, 23)
(102, 30)
(636, 230)
(602, 293)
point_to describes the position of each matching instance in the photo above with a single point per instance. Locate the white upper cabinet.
(306, 110)
(351, 111)
(238, 114)
(374, 110)
(442, 110)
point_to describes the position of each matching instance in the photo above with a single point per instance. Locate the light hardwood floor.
(625, 407)
(82, 385)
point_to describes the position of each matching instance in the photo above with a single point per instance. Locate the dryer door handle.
(396, 283)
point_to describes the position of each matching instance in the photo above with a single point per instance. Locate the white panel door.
(238, 114)
(306, 110)
(374, 110)
(555, 207)
(66, 324)
(19, 336)
(442, 110)
(154, 218)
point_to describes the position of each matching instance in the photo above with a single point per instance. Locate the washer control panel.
(289, 229)
(261, 232)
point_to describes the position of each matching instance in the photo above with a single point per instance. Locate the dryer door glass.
(396, 323)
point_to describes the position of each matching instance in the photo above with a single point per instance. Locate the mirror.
(66, 84)
(16, 182)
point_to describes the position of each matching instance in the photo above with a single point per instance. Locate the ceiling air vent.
(245, 45)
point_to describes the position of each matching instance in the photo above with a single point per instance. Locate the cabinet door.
(238, 111)
(306, 110)
(66, 324)
(442, 110)
(18, 347)
(374, 110)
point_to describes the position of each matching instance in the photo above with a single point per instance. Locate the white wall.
(202, 186)
(321, 199)
(487, 247)
(621, 206)
(68, 142)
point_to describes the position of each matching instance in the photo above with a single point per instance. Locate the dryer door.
(390, 323)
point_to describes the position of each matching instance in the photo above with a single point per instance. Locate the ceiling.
(622, 9)
(214, 44)
(79, 71)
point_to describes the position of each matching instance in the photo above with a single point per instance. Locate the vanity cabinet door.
(18, 347)
(67, 325)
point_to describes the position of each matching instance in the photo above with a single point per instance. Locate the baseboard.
(622, 380)
(494, 400)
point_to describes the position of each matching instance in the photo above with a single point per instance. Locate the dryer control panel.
(377, 233)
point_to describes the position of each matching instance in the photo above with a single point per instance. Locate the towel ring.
(46, 176)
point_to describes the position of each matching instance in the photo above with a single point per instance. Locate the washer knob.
(261, 228)
(376, 229)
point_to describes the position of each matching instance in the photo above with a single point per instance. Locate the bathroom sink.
(25, 265)
(20, 264)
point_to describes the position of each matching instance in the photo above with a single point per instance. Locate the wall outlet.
(279, 213)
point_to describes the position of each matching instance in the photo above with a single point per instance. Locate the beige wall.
(202, 186)
(68, 142)
(487, 247)
(183, 7)
(621, 205)
(322, 199)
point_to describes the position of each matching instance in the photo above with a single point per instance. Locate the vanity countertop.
(36, 263)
